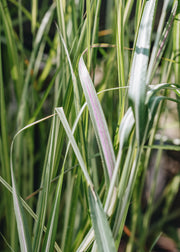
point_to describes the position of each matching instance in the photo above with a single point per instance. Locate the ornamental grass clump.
(75, 154)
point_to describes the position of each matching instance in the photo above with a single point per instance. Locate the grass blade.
(120, 52)
(23, 232)
(176, 49)
(103, 234)
(126, 127)
(3, 120)
(40, 35)
(75, 87)
(176, 44)
(12, 49)
(26, 206)
(50, 235)
(98, 120)
(138, 89)
(34, 15)
(45, 183)
(161, 42)
(156, 43)
(69, 133)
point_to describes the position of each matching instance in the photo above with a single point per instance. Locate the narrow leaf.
(72, 140)
(176, 44)
(76, 91)
(160, 43)
(176, 50)
(103, 234)
(23, 232)
(45, 184)
(12, 49)
(50, 235)
(126, 127)
(98, 120)
(137, 90)
(39, 37)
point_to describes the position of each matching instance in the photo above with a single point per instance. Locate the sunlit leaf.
(138, 88)
(98, 120)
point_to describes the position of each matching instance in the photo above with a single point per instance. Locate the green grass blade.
(98, 120)
(4, 146)
(19, 202)
(161, 42)
(88, 31)
(45, 184)
(76, 91)
(50, 235)
(34, 15)
(21, 8)
(126, 186)
(103, 234)
(76, 97)
(26, 207)
(6, 242)
(87, 241)
(43, 99)
(176, 49)
(39, 37)
(3, 120)
(138, 89)
(22, 112)
(61, 18)
(97, 6)
(74, 190)
(11, 45)
(69, 133)
(127, 10)
(120, 52)
(156, 43)
(23, 232)
(10, 189)
(126, 127)
(120, 60)
(176, 44)
(155, 241)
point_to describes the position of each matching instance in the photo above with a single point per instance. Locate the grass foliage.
(75, 148)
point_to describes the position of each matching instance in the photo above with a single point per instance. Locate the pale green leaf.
(103, 234)
(72, 140)
(50, 235)
(23, 232)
